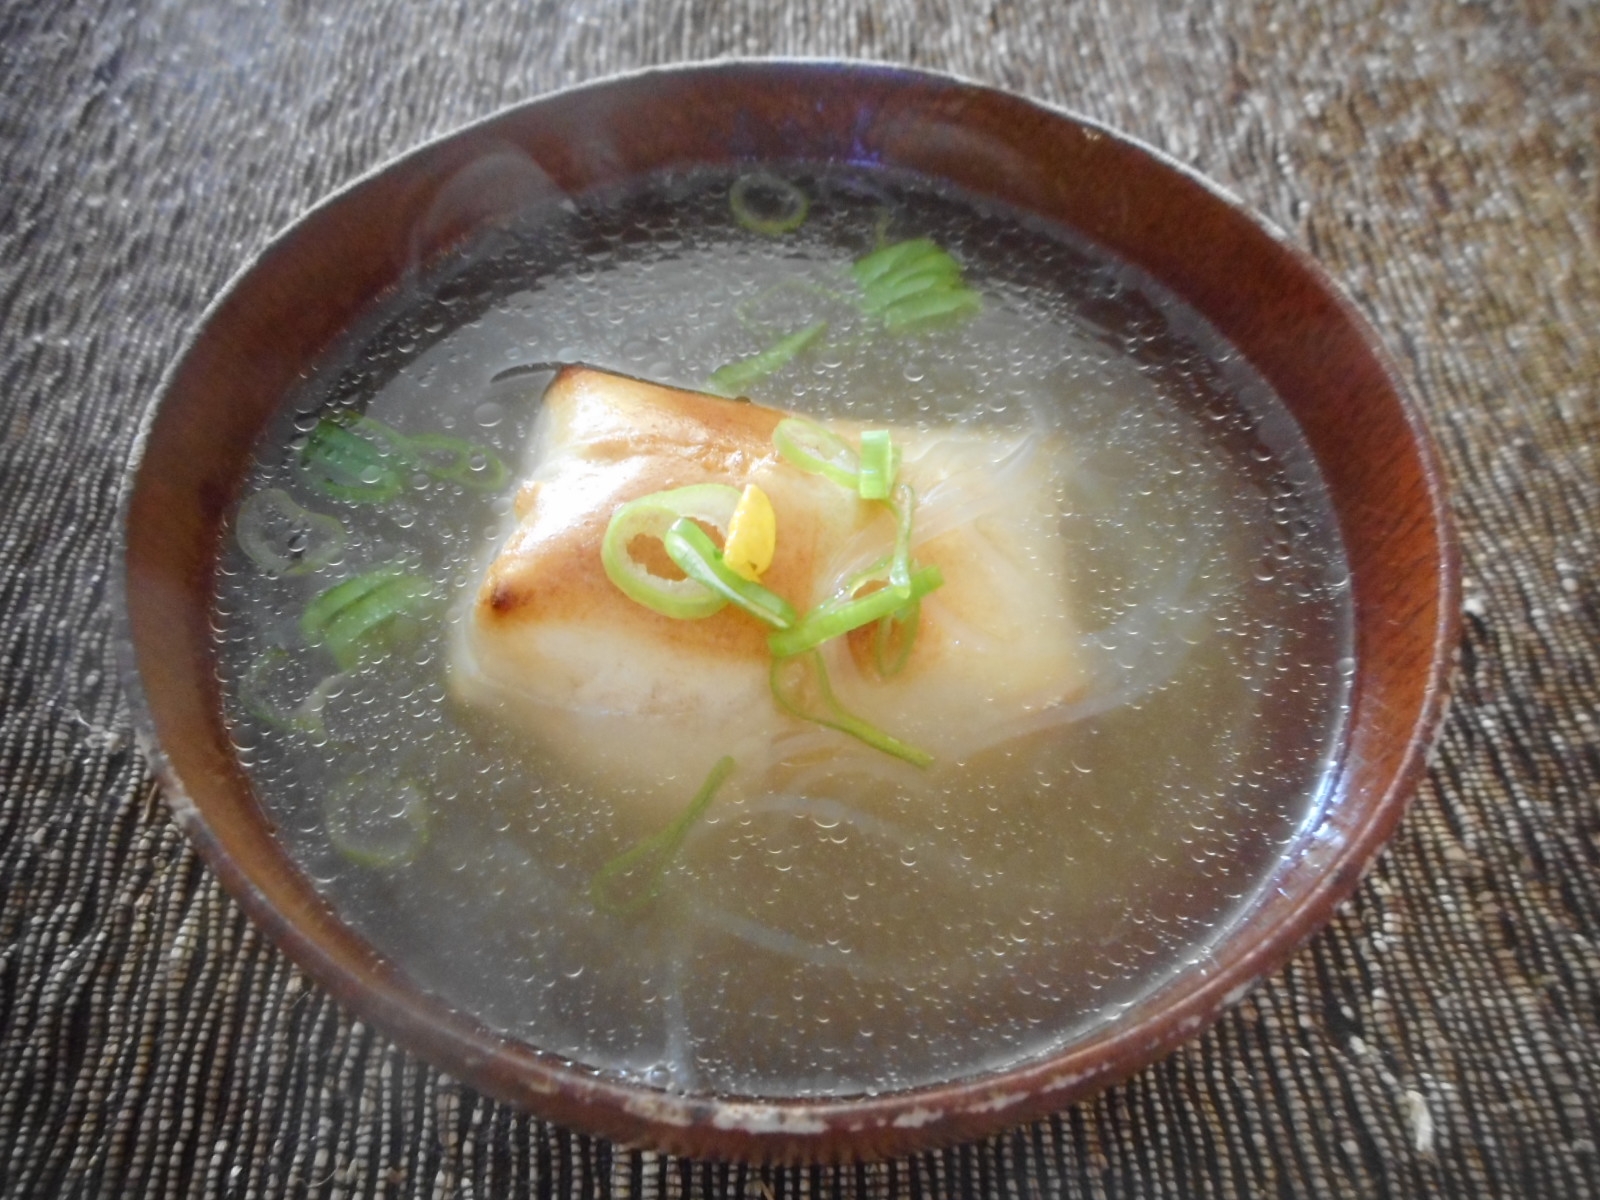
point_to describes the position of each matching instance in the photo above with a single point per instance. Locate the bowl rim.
(803, 1128)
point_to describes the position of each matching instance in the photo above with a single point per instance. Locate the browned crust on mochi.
(639, 438)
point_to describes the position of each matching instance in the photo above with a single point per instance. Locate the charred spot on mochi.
(502, 598)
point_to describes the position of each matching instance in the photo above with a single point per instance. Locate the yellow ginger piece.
(752, 535)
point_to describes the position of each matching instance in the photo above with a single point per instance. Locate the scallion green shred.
(943, 275)
(789, 678)
(361, 460)
(837, 617)
(886, 261)
(930, 308)
(735, 377)
(894, 638)
(345, 466)
(467, 463)
(363, 617)
(914, 285)
(629, 883)
(697, 556)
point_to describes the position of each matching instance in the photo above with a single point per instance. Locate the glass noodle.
(819, 917)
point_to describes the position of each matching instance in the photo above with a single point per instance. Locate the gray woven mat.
(1441, 1038)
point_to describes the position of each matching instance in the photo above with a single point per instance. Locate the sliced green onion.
(943, 274)
(651, 516)
(698, 558)
(351, 456)
(372, 623)
(836, 617)
(894, 638)
(439, 455)
(929, 257)
(376, 821)
(732, 379)
(256, 694)
(389, 440)
(282, 538)
(788, 678)
(344, 466)
(882, 262)
(457, 461)
(929, 309)
(914, 285)
(768, 205)
(631, 881)
(879, 461)
(362, 616)
(817, 451)
(896, 633)
(331, 601)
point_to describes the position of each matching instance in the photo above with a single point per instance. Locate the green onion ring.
(375, 821)
(817, 451)
(389, 441)
(331, 601)
(790, 204)
(282, 538)
(652, 516)
(451, 459)
(354, 457)
(304, 717)
(361, 627)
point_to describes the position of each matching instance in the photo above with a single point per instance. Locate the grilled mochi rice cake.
(644, 704)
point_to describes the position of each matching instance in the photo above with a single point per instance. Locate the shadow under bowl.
(1269, 300)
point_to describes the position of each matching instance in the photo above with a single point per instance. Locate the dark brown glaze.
(1275, 305)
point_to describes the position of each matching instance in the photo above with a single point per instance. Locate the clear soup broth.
(817, 932)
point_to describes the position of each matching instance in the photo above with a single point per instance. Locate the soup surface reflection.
(831, 924)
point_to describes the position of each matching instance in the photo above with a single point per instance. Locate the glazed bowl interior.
(321, 277)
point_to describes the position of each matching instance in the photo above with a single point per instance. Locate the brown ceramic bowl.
(1274, 304)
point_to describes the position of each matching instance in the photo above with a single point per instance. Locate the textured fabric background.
(1440, 156)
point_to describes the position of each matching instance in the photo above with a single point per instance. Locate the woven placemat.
(1440, 157)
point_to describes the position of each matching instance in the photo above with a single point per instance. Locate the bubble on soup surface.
(854, 929)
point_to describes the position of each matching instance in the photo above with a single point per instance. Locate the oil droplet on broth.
(828, 944)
